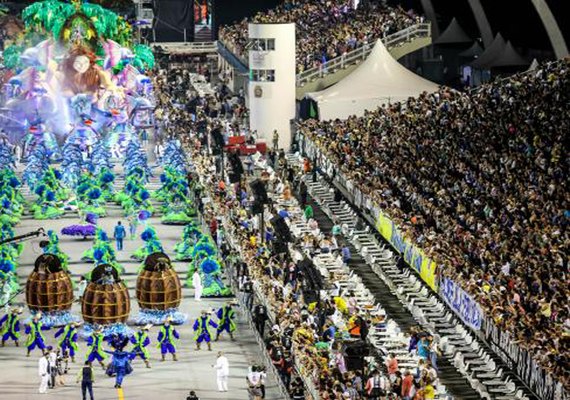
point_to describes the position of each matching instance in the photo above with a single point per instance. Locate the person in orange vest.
(222, 188)
(306, 166)
(354, 328)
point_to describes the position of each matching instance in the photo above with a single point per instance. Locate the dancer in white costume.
(43, 373)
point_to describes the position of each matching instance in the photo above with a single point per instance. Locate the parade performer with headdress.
(95, 350)
(51, 195)
(141, 341)
(166, 338)
(35, 337)
(68, 339)
(120, 366)
(190, 236)
(151, 245)
(10, 324)
(202, 328)
(52, 247)
(226, 316)
(9, 285)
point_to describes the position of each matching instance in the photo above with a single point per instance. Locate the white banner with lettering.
(467, 308)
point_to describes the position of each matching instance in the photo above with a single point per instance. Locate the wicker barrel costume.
(49, 287)
(106, 298)
(158, 285)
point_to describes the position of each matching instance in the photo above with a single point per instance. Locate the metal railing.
(233, 49)
(259, 298)
(188, 47)
(267, 362)
(422, 30)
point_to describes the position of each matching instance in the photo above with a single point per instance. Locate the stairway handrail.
(232, 49)
(390, 41)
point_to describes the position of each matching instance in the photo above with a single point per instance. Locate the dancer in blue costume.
(166, 338)
(226, 316)
(10, 324)
(120, 366)
(95, 350)
(35, 336)
(202, 328)
(68, 339)
(141, 341)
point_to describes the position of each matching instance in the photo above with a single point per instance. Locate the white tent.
(380, 79)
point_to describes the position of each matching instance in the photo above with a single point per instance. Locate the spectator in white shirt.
(43, 365)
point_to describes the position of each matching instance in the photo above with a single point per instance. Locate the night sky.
(517, 20)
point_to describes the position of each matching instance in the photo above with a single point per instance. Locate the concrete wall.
(272, 104)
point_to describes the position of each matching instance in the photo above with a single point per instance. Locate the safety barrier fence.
(312, 392)
(260, 299)
(249, 317)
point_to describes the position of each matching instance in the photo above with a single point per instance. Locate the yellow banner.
(384, 226)
(426, 268)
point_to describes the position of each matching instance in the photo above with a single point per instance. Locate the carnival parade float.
(78, 82)
(76, 102)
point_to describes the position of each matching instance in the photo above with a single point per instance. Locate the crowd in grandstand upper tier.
(479, 181)
(325, 29)
(181, 110)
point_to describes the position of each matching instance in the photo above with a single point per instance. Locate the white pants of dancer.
(198, 292)
(44, 383)
(223, 383)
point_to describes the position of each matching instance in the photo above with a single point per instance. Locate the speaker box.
(280, 247)
(235, 163)
(357, 348)
(256, 208)
(313, 278)
(259, 192)
(281, 229)
(354, 363)
(217, 140)
(310, 296)
(354, 353)
(234, 178)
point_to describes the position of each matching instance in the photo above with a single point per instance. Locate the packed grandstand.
(478, 181)
(325, 30)
(475, 181)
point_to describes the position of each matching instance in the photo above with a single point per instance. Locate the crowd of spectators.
(181, 109)
(309, 334)
(479, 181)
(298, 335)
(325, 29)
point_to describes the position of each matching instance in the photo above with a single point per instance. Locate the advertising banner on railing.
(467, 308)
(411, 254)
(521, 361)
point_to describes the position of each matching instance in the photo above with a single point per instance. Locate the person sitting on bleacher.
(325, 245)
(313, 226)
(308, 212)
(346, 256)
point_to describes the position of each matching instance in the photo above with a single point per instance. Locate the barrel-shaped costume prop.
(49, 287)
(158, 285)
(106, 298)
